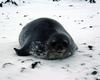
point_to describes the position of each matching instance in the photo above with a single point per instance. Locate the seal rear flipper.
(20, 52)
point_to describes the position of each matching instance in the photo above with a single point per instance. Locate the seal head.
(58, 47)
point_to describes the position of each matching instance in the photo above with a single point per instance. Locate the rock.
(6, 64)
(91, 26)
(35, 64)
(94, 72)
(97, 78)
(22, 69)
(90, 47)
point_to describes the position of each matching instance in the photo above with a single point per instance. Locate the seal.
(47, 39)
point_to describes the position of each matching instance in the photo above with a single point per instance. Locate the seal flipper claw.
(16, 50)
(21, 52)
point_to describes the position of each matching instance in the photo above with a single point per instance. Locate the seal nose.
(57, 46)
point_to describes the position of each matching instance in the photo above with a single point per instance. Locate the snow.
(80, 19)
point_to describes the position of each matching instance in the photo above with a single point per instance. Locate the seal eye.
(65, 44)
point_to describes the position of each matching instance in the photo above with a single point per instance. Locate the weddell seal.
(47, 39)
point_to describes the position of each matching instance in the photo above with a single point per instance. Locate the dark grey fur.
(45, 38)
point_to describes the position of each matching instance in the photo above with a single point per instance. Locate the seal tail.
(21, 52)
(17, 51)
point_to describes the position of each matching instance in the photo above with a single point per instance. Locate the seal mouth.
(59, 52)
(57, 55)
(53, 55)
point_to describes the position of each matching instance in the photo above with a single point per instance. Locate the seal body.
(45, 38)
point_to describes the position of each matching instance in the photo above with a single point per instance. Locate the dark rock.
(90, 56)
(6, 64)
(82, 20)
(74, 20)
(10, 1)
(84, 28)
(20, 24)
(1, 4)
(90, 47)
(91, 26)
(94, 72)
(23, 1)
(25, 15)
(22, 69)
(35, 64)
(63, 67)
(2, 13)
(7, 1)
(56, 0)
(82, 64)
(92, 1)
(98, 12)
(70, 5)
(3, 37)
(13, 2)
(26, 60)
(97, 78)
(84, 43)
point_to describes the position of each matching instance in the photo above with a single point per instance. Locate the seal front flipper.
(21, 52)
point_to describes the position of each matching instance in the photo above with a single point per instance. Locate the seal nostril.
(60, 52)
(59, 47)
(53, 44)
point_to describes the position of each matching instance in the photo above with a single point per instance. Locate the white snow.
(77, 16)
